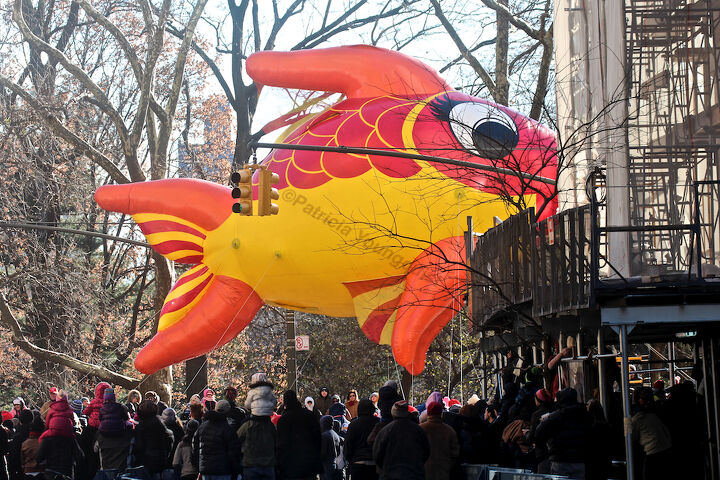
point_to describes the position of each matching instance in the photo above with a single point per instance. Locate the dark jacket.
(153, 442)
(356, 439)
(114, 449)
(444, 448)
(541, 451)
(114, 419)
(330, 447)
(236, 416)
(60, 454)
(400, 451)
(217, 446)
(566, 433)
(323, 404)
(298, 443)
(258, 439)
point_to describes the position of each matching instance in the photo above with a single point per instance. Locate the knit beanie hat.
(543, 396)
(258, 378)
(109, 395)
(400, 409)
(223, 406)
(76, 405)
(473, 400)
(168, 416)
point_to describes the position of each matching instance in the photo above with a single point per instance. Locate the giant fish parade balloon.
(364, 235)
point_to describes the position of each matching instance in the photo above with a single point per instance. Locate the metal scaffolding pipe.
(627, 420)
(601, 371)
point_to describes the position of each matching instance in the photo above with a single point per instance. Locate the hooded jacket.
(323, 403)
(330, 447)
(59, 409)
(93, 409)
(217, 446)
(356, 447)
(260, 399)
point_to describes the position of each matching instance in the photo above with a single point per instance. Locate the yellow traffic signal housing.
(266, 192)
(242, 191)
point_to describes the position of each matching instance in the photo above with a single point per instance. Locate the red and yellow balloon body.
(375, 237)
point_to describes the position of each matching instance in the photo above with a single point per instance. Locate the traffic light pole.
(291, 361)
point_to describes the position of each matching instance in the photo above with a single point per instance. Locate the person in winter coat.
(153, 441)
(352, 404)
(208, 396)
(14, 458)
(652, 435)
(387, 396)
(258, 441)
(18, 406)
(401, 448)
(59, 451)
(216, 445)
(92, 411)
(114, 434)
(46, 406)
(545, 406)
(133, 400)
(155, 398)
(184, 463)
(433, 397)
(170, 420)
(444, 445)
(260, 399)
(30, 447)
(357, 451)
(60, 408)
(236, 416)
(330, 450)
(310, 405)
(323, 401)
(566, 432)
(298, 440)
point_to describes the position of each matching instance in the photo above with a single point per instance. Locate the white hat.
(473, 400)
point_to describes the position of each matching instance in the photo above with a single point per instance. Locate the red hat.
(543, 396)
(435, 409)
(659, 385)
(412, 409)
(454, 401)
(53, 390)
(6, 415)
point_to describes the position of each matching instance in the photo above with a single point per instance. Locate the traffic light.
(266, 192)
(242, 191)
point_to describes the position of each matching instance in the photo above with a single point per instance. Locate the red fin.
(201, 203)
(358, 71)
(224, 307)
(433, 292)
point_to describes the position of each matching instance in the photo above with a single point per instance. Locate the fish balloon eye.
(483, 130)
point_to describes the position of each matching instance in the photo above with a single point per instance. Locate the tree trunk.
(159, 382)
(502, 84)
(196, 375)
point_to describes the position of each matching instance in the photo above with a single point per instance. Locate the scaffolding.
(672, 131)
